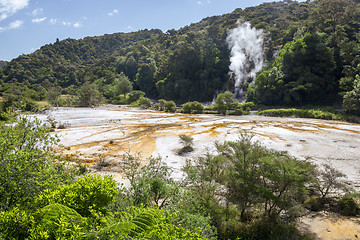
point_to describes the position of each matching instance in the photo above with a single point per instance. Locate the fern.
(133, 222)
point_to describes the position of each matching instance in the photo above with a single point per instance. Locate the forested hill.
(319, 43)
(2, 64)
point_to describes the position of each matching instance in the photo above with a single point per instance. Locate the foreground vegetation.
(240, 191)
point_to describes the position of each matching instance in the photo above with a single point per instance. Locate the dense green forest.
(311, 49)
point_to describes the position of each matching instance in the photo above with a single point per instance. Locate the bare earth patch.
(331, 226)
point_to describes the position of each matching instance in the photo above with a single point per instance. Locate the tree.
(328, 179)
(351, 101)
(329, 14)
(53, 95)
(303, 73)
(145, 78)
(252, 178)
(29, 163)
(150, 183)
(88, 95)
(122, 85)
(225, 101)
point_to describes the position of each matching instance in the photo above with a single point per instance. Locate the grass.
(43, 104)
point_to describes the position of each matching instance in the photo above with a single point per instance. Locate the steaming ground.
(246, 54)
(107, 132)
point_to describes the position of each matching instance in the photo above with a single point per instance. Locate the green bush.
(142, 102)
(4, 116)
(185, 149)
(88, 195)
(14, 224)
(248, 106)
(238, 112)
(135, 95)
(170, 106)
(314, 203)
(56, 221)
(347, 206)
(29, 163)
(192, 107)
(294, 112)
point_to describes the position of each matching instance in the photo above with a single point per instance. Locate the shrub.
(135, 95)
(185, 149)
(314, 203)
(28, 163)
(293, 112)
(14, 224)
(170, 106)
(192, 107)
(347, 206)
(142, 102)
(187, 142)
(238, 111)
(56, 221)
(4, 116)
(88, 194)
(248, 106)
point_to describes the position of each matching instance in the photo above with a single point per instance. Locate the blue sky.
(26, 25)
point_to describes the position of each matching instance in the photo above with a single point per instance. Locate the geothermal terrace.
(110, 131)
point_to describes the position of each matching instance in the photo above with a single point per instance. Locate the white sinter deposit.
(109, 131)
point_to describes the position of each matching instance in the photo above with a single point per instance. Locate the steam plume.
(246, 57)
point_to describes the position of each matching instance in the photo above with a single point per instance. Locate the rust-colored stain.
(323, 126)
(138, 133)
(271, 136)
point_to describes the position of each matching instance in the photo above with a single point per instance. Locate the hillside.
(192, 63)
(2, 64)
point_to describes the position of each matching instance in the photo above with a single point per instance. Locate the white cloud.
(39, 20)
(13, 25)
(72, 24)
(77, 25)
(37, 11)
(115, 11)
(16, 24)
(66, 23)
(53, 21)
(203, 2)
(10, 7)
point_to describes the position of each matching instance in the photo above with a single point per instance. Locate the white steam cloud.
(246, 57)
